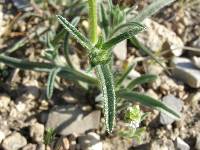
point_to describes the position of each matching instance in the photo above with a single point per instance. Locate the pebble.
(196, 44)
(120, 50)
(134, 74)
(194, 98)
(37, 132)
(30, 147)
(75, 61)
(162, 145)
(181, 145)
(69, 99)
(91, 141)
(32, 89)
(184, 70)
(163, 38)
(43, 147)
(2, 136)
(4, 101)
(174, 103)
(155, 68)
(14, 142)
(72, 119)
(153, 94)
(197, 145)
(196, 61)
(20, 107)
(22, 5)
(63, 144)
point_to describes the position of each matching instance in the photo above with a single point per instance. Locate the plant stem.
(104, 72)
(93, 21)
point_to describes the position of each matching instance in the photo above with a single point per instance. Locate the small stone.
(174, 103)
(20, 107)
(163, 38)
(87, 108)
(14, 142)
(194, 98)
(22, 4)
(197, 145)
(4, 101)
(30, 147)
(43, 117)
(120, 50)
(196, 44)
(155, 69)
(99, 98)
(75, 61)
(196, 61)
(37, 132)
(32, 89)
(162, 145)
(156, 84)
(153, 94)
(72, 119)
(91, 141)
(69, 99)
(134, 74)
(181, 145)
(43, 147)
(184, 70)
(63, 144)
(2, 136)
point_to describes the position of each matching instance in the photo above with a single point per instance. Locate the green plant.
(49, 136)
(114, 29)
(133, 117)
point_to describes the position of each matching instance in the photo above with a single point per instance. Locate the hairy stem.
(104, 73)
(93, 20)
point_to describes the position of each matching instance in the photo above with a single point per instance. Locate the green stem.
(104, 73)
(93, 20)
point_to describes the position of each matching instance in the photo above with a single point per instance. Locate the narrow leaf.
(61, 34)
(107, 85)
(141, 80)
(66, 72)
(148, 101)
(51, 81)
(124, 26)
(75, 33)
(129, 33)
(104, 22)
(151, 9)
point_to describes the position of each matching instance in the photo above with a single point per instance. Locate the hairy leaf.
(66, 72)
(148, 101)
(75, 33)
(104, 22)
(107, 85)
(124, 26)
(51, 81)
(129, 33)
(141, 80)
(61, 34)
